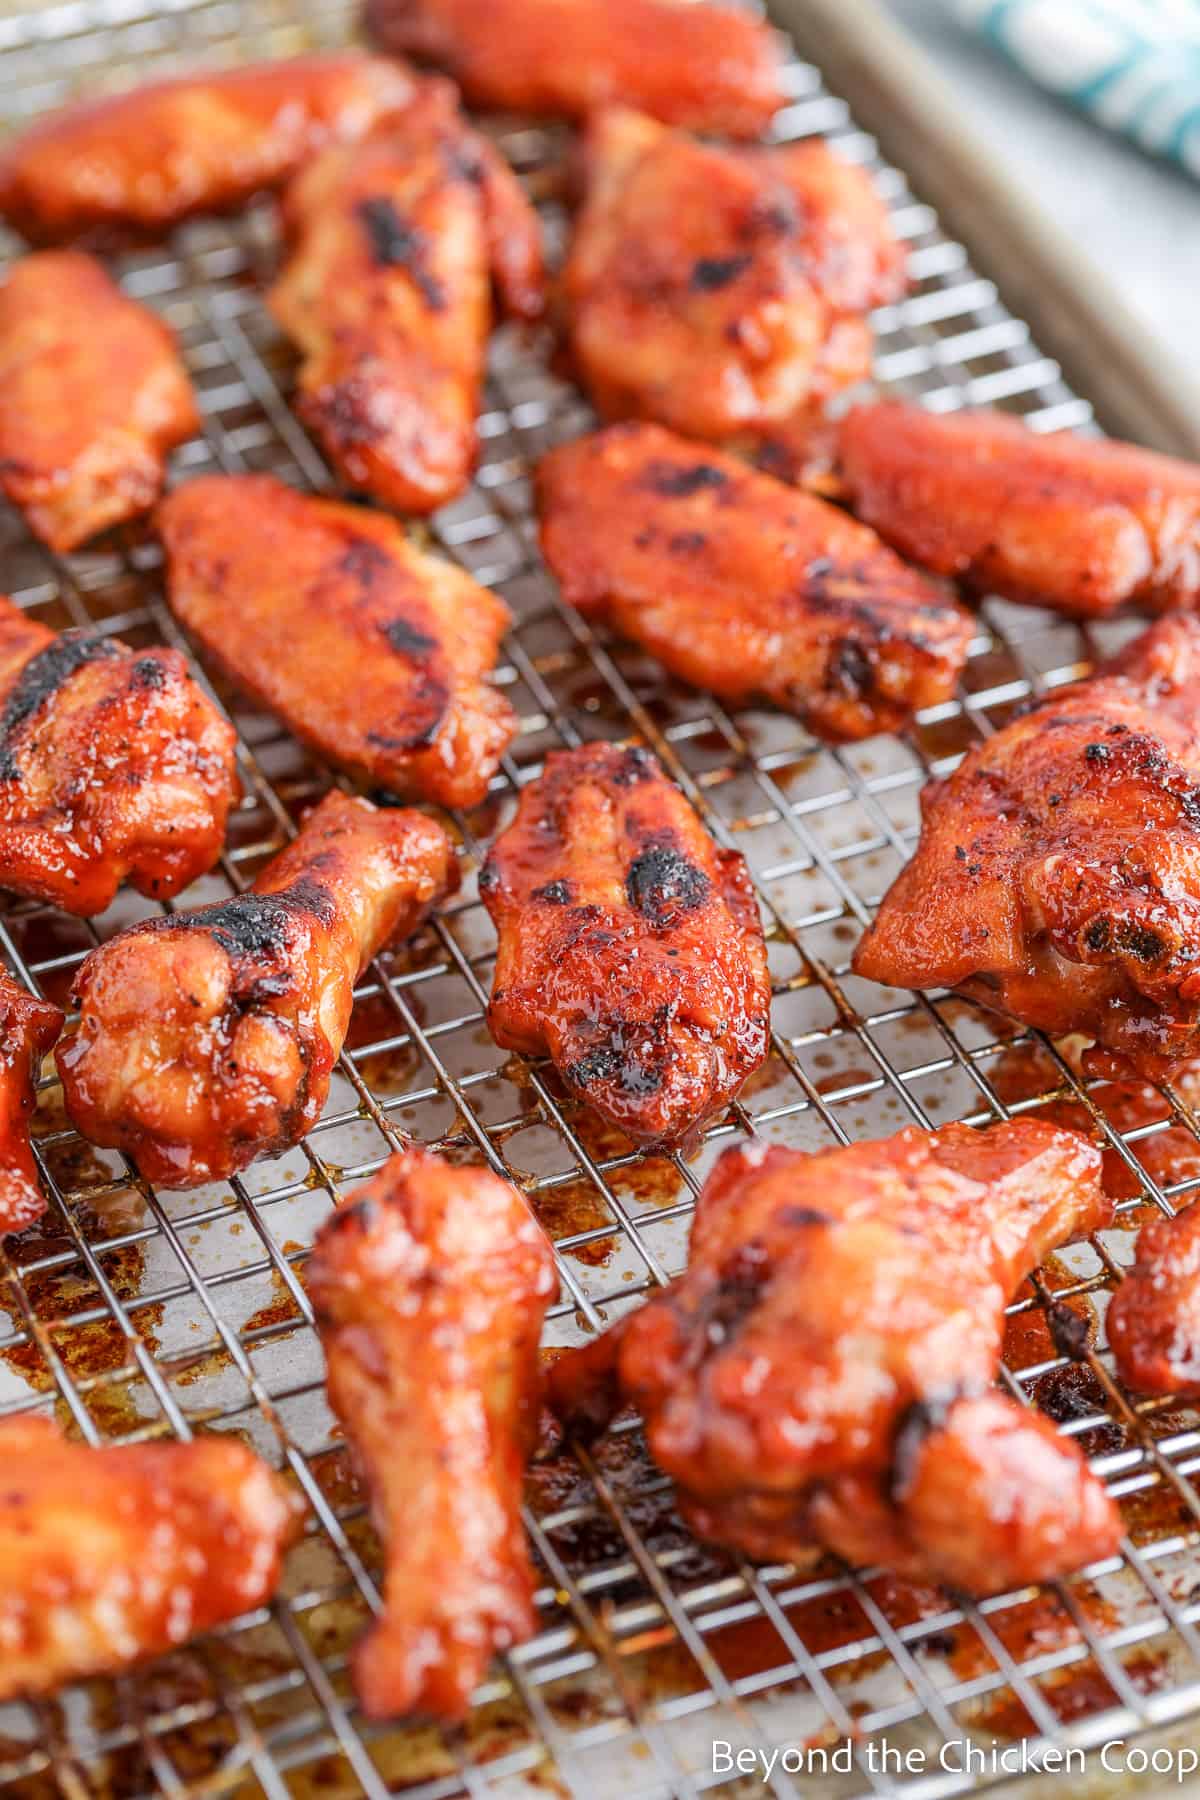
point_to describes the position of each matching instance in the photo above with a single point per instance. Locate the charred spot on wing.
(149, 675)
(612, 1062)
(677, 481)
(257, 925)
(661, 883)
(741, 1280)
(850, 670)
(428, 703)
(40, 680)
(918, 1420)
(802, 1216)
(408, 639)
(711, 273)
(364, 562)
(395, 244)
(636, 765)
(1139, 941)
(555, 893)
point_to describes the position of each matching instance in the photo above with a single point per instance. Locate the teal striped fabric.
(1132, 65)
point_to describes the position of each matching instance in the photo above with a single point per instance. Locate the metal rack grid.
(134, 1315)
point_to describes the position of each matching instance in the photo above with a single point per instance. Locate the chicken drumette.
(207, 1038)
(93, 396)
(702, 63)
(1058, 873)
(114, 766)
(430, 1284)
(107, 1556)
(28, 1028)
(387, 292)
(1077, 523)
(367, 648)
(744, 586)
(821, 1373)
(722, 292)
(630, 946)
(132, 165)
(1153, 1319)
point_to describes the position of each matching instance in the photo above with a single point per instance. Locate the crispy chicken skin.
(108, 1556)
(692, 62)
(130, 166)
(722, 291)
(368, 649)
(114, 766)
(207, 1038)
(1081, 524)
(387, 292)
(744, 586)
(430, 1285)
(28, 1028)
(1153, 1319)
(630, 948)
(1057, 877)
(93, 397)
(821, 1373)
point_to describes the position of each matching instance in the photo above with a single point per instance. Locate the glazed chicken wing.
(722, 292)
(745, 586)
(702, 63)
(1153, 1319)
(132, 165)
(367, 648)
(630, 946)
(821, 1373)
(1081, 524)
(1058, 873)
(207, 1038)
(93, 396)
(114, 766)
(430, 1284)
(28, 1028)
(108, 1556)
(387, 292)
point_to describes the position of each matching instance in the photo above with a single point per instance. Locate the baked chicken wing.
(130, 166)
(367, 648)
(1081, 524)
(28, 1028)
(207, 1038)
(114, 766)
(108, 1556)
(1057, 877)
(701, 63)
(93, 397)
(630, 946)
(821, 1374)
(1153, 1319)
(744, 586)
(722, 292)
(430, 1284)
(387, 292)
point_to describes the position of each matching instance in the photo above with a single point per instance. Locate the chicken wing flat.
(1081, 524)
(108, 1556)
(367, 649)
(430, 1285)
(630, 946)
(28, 1028)
(1057, 877)
(821, 1373)
(387, 291)
(207, 1038)
(712, 66)
(1153, 1319)
(114, 766)
(744, 586)
(722, 292)
(93, 397)
(130, 166)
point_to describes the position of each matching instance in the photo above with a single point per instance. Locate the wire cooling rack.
(134, 1315)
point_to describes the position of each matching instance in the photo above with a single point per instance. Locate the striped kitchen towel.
(1133, 65)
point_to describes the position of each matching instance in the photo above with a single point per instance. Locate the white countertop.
(1137, 217)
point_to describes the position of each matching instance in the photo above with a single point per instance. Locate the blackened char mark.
(614, 1062)
(916, 1422)
(425, 711)
(555, 893)
(395, 244)
(725, 1308)
(258, 926)
(408, 639)
(677, 482)
(662, 884)
(41, 679)
(636, 765)
(711, 273)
